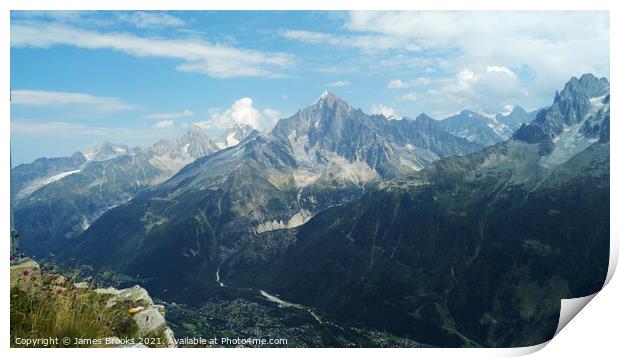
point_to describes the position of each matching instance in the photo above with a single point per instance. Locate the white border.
(594, 330)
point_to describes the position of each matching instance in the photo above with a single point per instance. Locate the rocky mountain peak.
(78, 157)
(193, 144)
(331, 101)
(588, 86)
(574, 101)
(593, 86)
(107, 150)
(197, 142)
(578, 113)
(194, 132)
(423, 117)
(517, 110)
(194, 129)
(323, 121)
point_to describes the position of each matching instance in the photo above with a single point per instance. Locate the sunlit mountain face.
(437, 194)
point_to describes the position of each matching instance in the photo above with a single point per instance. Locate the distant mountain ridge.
(27, 178)
(581, 108)
(389, 147)
(64, 204)
(474, 250)
(213, 208)
(234, 136)
(487, 130)
(395, 225)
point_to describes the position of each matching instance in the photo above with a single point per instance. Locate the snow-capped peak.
(233, 136)
(106, 150)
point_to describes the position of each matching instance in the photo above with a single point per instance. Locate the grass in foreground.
(48, 305)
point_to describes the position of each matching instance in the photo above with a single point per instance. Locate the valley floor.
(252, 316)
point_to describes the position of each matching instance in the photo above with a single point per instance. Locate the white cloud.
(33, 98)
(387, 112)
(150, 19)
(172, 115)
(241, 112)
(507, 109)
(196, 55)
(341, 83)
(73, 131)
(273, 115)
(490, 90)
(164, 124)
(367, 43)
(547, 47)
(398, 83)
(548, 43)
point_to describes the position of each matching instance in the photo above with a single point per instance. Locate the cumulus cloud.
(540, 41)
(171, 115)
(341, 83)
(396, 84)
(34, 98)
(272, 115)
(164, 124)
(535, 44)
(241, 112)
(489, 90)
(196, 55)
(387, 112)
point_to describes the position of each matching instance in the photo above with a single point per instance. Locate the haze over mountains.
(487, 130)
(461, 232)
(60, 197)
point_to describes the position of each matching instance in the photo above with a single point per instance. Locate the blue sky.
(81, 78)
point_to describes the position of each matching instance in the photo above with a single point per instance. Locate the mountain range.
(58, 198)
(461, 232)
(319, 157)
(474, 250)
(487, 130)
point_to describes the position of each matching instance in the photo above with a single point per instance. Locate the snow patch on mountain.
(233, 136)
(41, 183)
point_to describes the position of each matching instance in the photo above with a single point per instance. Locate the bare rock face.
(149, 317)
(107, 291)
(150, 322)
(161, 309)
(81, 285)
(136, 295)
(168, 337)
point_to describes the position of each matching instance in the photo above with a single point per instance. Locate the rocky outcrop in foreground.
(136, 309)
(149, 317)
